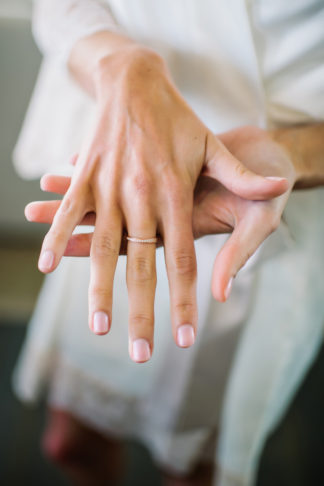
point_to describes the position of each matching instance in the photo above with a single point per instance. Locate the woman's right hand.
(137, 171)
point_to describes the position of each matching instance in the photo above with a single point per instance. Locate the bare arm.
(305, 146)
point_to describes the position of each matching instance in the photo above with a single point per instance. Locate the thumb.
(221, 165)
(240, 246)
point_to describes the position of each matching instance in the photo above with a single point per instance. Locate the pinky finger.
(44, 212)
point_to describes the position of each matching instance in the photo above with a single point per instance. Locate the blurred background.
(292, 456)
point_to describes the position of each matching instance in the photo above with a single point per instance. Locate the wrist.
(132, 63)
(98, 61)
(289, 140)
(304, 145)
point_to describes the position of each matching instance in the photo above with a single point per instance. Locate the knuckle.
(141, 185)
(175, 187)
(96, 290)
(68, 205)
(176, 198)
(54, 237)
(185, 264)
(186, 307)
(141, 318)
(104, 245)
(240, 169)
(142, 270)
(176, 192)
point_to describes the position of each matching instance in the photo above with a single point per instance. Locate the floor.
(293, 456)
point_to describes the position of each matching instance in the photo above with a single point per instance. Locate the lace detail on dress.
(94, 402)
(113, 413)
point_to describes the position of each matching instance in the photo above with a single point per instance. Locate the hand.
(137, 172)
(216, 209)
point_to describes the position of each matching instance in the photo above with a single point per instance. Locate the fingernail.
(46, 260)
(26, 213)
(273, 178)
(100, 323)
(229, 288)
(41, 183)
(185, 336)
(141, 350)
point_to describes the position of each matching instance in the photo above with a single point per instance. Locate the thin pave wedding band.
(140, 240)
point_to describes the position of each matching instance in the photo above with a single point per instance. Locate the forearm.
(305, 146)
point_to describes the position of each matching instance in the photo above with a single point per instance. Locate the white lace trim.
(111, 412)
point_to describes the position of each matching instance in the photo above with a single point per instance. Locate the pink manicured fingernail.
(42, 183)
(46, 260)
(100, 323)
(272, 178)
(229, 288)
(141, 350)
(26, 213)
(185, 336)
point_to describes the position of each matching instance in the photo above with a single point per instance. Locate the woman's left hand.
(216, 209)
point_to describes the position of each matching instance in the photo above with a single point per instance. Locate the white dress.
(236, 62)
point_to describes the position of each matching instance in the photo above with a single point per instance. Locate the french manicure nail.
(185, 336)
(100, 322)
(229, 288)
(273, 178)
(141, 350)
(46, 260)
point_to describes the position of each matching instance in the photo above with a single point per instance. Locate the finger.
(44, 212)
(241, 245)
(182, 273)
(104, 254)
(55, 183)
(79, 245)
(141, 284)
(66, 218)
(235, 176)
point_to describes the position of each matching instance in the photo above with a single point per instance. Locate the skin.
(137, 170)
(216, 209)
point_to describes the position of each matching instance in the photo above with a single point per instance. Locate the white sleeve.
(290, 41)
(59, 24)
